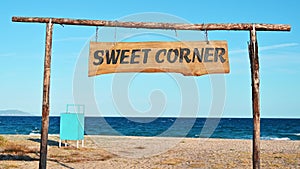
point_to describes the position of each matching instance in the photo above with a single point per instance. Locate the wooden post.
(253, 54)
(46, 91)
(254, 61)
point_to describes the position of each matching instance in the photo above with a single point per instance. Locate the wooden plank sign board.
(188, 58)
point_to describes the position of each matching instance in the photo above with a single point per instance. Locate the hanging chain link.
(115, 36)
(206, 36)
(96, 37)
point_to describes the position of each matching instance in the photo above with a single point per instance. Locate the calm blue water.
(233, 128)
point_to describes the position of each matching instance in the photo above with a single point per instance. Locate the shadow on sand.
(10, 157)
(50, 142)
(17, 157)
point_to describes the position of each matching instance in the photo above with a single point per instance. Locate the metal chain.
(206, 36)
(96, 34)
(115, 36)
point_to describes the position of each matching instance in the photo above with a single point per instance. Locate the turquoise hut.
(72, 124)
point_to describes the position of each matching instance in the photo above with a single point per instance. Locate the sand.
(22, 151)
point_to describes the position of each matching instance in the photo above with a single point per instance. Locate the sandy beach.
(22, 151)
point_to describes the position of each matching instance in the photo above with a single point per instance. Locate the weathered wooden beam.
(254, 62)
(157, 25)
(46, 91)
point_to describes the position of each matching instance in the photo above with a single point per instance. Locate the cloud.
(71, 39)
(268, 61)
(278, 46)
(263, 48)
(7, 54)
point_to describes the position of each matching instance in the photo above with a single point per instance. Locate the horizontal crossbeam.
(158, 25)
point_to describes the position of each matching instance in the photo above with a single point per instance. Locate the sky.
(158, 94)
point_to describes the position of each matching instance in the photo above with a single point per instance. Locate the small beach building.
(72, 124)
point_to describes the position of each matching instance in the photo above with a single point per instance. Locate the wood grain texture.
(46, 95)
(255, 80)
(161, 57)
(158, 25)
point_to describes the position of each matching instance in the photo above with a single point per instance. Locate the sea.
(227, 128)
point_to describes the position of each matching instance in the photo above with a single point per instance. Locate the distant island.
(14, 113)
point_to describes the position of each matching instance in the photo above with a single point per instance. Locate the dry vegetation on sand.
(20, 151)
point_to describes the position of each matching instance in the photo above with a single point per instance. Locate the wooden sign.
(188, 58)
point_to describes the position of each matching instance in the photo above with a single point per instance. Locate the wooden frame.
(253, 55)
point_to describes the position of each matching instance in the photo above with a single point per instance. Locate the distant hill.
(14, 113)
